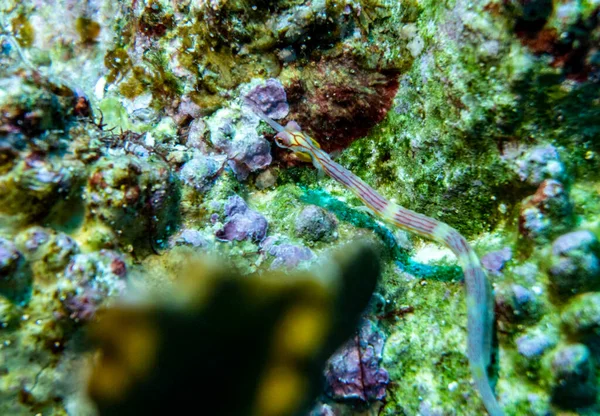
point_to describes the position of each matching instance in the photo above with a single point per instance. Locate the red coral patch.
(337, 101)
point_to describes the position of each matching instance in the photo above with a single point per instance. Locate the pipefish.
(480, 303)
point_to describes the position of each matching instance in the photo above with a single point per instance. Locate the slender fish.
(480, 307)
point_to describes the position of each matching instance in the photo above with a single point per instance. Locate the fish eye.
(284, 139)
(279, 142)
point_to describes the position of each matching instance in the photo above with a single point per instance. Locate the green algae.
(88, 29)
(24, 32)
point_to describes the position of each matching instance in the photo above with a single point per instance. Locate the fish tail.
(480, 314)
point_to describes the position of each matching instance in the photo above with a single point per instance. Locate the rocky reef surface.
(126, 138)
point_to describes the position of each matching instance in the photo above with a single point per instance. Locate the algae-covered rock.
(91, 280)
(573, 382)
(33, 185)
(516, 305)
(575, 263)
(9, 313)
(540, 163)
(581, 319)
(15, 276)
(136, 197)
(48, 251)
(314, 223)
(126, 127)
(547, 212)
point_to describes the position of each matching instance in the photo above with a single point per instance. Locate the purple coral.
(236, 136)
(354, 372)
(90, 280)
(287, 256)
(242, 222)
(270, 98)
(494, 261)
(533, 346)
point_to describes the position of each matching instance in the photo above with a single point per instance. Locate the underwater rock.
(287, 324)
(427, 409)
(575, 263)
(200, 172)
(235, 135)
(10, 258)
(288, 256)
(532, 11)
(33, 238)
(9, 313)
(354, 372)
(8, 157)
(581, 319)
(33, 186)
(125, 190)
(193, 238)
(533, 346)
(515, 305)
(494, 261)
(90, 281)
(546, 213)
(59, 252)
(30, 108)
(270, 98)
(266, 179)
(296, 23)
(241, 222)
(195, 138)
(316, 224)
(48, 250)
(573, 381)
(540, 163)
(15, 277)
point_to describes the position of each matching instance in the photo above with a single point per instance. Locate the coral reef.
(353, 373)
(127, 144)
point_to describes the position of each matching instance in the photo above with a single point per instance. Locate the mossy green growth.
(118, 63)
(440, 155)
(23, 30)
(428, 347)
(88, 29)
(114, 115)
